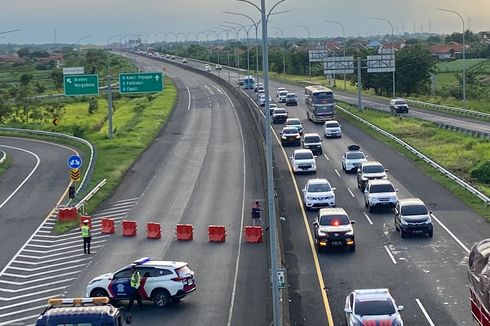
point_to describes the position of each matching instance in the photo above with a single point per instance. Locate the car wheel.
(370, 208)
(352, 248)
(396, 228)
(98, 292)
(431, 233)
(343, 168)
(161, 298)
(402, 233)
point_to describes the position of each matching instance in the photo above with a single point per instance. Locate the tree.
(414, 65)
(39, 87)
(24, 53)
(93, 105)
(56, 109)
(57, 77)
(25, 79)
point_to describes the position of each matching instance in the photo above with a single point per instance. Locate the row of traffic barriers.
(183, 232)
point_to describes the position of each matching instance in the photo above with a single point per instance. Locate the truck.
(82, 311)
(479, 282)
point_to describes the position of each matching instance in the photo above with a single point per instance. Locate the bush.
(93, 105)
(482, 172)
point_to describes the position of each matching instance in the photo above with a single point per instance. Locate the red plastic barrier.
(86, 217)
(253, 234)
(66, 214)
(184, 232)
(153, 230)
(128, 228)
(217, 233)
(107, 225)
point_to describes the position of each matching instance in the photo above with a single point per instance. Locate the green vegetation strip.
(456, 152)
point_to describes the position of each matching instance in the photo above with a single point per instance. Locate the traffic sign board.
(81, 85)
(146, 82)
(75, 175)
(281, 278)
(73, 71)
(74, 162)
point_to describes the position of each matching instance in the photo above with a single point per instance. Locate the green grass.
(457, 65)
(455, 151)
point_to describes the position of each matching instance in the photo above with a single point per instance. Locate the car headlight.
(402, 221)
(351, 232)
(384, 177)
(428, 221)
(298, 137)
(322, 234)
(363, 178)
(283, 137)
(310, 198)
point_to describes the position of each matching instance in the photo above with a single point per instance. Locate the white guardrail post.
(426, 159)
(3, 157)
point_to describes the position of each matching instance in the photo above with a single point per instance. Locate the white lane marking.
(350, 192)
(38, 286)
(38, 160)
(20, 319)
(391, 255)
(21, 311)
(33, 293)
(237, 263)
(431, 323)
(190, 98)
(134, 199)
(326, 157)
(367, 217)
(337, 173)
(4, 156)
(37, 280)
(451, 234)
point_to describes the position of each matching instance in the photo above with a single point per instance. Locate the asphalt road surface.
(427, 276)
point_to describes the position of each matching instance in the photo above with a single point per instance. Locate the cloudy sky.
(102, 19)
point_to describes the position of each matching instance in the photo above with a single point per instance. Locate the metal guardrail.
(93, 152)
(4, 157)
(423, 157)
(92, 192)
(450, 109)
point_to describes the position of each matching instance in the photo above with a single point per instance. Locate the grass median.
(455, 151)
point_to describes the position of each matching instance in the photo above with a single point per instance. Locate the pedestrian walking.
(135, 285)
(256, 216)
(86, 235)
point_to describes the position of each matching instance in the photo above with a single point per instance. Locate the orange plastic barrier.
(153, 230)
(128, 228)
(253, 234)
(66, 214)
(217, 233)
(85, 217)
(107, 225)
(184, 232)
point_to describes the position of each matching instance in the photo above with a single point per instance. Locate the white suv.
(353, 158)
(161, 281)
(380, 193)
(303, 160)
(318, 193)
(332, 129)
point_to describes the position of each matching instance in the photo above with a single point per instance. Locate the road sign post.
(75, 175)
(74, 162)
(145, 82)
(79, 85)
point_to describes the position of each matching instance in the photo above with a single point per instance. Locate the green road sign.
(146, 82)
(81, 85)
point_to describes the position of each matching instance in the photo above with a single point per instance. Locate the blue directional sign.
(74, 162)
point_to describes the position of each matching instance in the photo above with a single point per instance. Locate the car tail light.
(178, 279)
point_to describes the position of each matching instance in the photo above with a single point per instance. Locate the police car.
(161, 282)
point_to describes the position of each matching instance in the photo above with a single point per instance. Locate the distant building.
(10, 58)
(446, 51)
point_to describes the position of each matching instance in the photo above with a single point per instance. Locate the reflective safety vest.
(135, 280)
(85, 231)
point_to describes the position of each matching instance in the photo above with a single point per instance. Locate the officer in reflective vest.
(86, 237)
(135, 285)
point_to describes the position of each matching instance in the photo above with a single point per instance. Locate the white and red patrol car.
(161, 282)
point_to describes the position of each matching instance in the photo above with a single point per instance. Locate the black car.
(333, 228)
(290, 135)
(313, 142)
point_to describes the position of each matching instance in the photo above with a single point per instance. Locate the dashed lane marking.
(391, 255)
(367, 217)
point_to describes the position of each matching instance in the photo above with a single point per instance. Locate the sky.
(103, 19)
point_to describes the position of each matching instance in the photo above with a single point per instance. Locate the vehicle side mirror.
(430, 212)
(397, 190)
(400, 308)
(333, 188)
(386, 170)
(304, 189)
(348, 310)
(352, 222)
(367, 156)
(291, 157)
(315, 224)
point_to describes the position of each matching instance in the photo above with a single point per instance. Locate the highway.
(427, 276)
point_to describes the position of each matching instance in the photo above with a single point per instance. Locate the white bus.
(319, 103)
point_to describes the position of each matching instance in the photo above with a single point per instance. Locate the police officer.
(86, 236)
(256, 209)
(135, 285)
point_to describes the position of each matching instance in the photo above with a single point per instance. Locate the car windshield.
(279, 111)
(323, 97)
(382, 188)
(323, 108)
(334, 220)
(414, 210)
(312, 139)
(283, 93)
(291, 95)
(319, 187)
(272, 105)
(374, 307)
(332, 125)
(373, 169)
(303, 156)
(290, 131)
(400, 102)
(355, 156)
(293, 122)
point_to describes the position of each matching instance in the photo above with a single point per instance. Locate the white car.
(184, 60)
(332, 129)
(353, 158)
(208, 68)
(218, 67)
(318, 193)
(380, 193)
(272, 107)
(161, 281)
(282, 96)
(303, 160)
(262, 100)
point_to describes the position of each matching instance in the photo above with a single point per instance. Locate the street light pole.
(247, 30)
(78, 47)
(283, 51)
(343, 36)
(309, 38)
(464, 52)
(392, 41)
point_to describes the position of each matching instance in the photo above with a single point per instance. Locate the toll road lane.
(208, 177)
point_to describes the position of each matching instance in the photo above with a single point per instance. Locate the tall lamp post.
(464, 52)
(392, 41)
(343, 37)
(78, 47)
(283, 50)
(309, 38)
(247, 31)
(236, 31)
(10, 31)
(276, 304)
